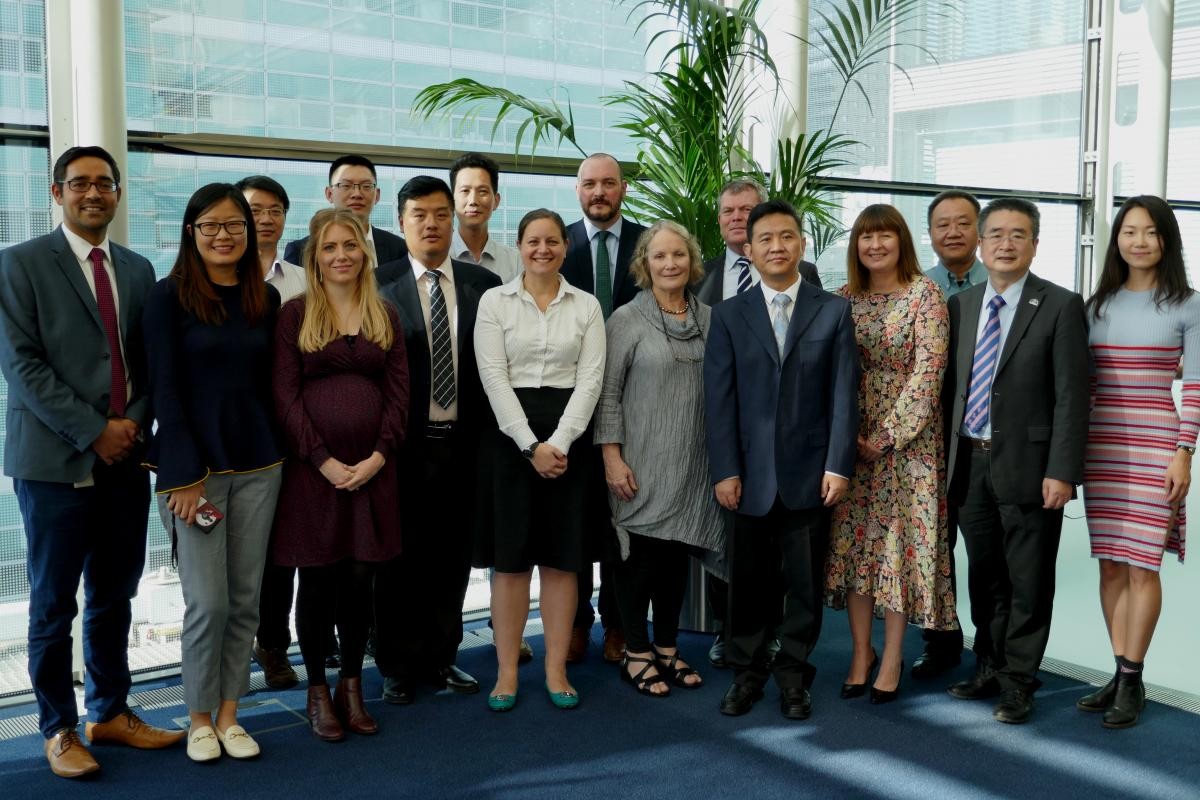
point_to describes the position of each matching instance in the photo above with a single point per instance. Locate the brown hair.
(196, 292)
(639, 267)
(880, 217)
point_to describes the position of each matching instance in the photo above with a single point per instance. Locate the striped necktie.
(983, 369)
(743, 280)
(441, 357)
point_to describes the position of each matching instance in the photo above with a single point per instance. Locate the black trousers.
(1011, 552)
(717, 591)
(947, 644)
(655, 572)
(610, 615)
(419, 595)
(337, 594)
(787, 541)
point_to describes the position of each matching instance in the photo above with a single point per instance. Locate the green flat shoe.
(502, 702)
(564, 700)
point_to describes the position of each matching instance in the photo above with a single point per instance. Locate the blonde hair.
(319, 326)
(639, 267)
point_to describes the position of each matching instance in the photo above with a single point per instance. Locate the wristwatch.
(1191, 451)
(528, 451)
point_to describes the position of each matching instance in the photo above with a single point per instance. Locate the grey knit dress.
(652, 404)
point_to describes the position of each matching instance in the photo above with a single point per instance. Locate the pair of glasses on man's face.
(366, 187)
(234, 227)
(81, 185)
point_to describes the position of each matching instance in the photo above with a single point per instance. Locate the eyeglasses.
(235, 227)
(1016, 237)
(346, 186)
(81, 185)
(275, 212)
(678, 358)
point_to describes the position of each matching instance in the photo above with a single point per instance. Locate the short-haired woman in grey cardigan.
(650, 426)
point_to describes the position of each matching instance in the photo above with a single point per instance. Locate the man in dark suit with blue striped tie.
(1016, 401)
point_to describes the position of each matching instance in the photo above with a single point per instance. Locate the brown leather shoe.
(67, 756)
(614, 645)
(277, 670)
(578, 646)
(321, 717)
(126, 728)
(348, 705)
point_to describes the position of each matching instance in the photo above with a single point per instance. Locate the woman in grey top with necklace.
(650, 426)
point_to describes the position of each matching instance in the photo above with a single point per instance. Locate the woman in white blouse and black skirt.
(539, 343)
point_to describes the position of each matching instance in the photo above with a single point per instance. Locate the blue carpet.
(619, 744)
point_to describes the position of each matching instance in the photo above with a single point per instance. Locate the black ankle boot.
(1128, 703)
(1102, 698)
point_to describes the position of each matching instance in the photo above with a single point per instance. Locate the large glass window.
(348, 70)
(1183, 167)
(22, 62)
(983, 99)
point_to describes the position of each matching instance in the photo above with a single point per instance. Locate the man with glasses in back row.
(354, 187)
(71, 350)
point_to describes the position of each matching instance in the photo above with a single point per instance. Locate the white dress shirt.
(517, 345)
(446, 282)
(287, 278)
(1012, 297)
(501, 259)
(613, 242)
(729, 279)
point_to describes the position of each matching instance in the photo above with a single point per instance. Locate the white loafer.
(238, 743)
(202, 745)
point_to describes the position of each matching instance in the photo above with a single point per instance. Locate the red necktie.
(108, 315)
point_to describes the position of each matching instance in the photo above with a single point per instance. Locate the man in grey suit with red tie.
(71, 350)
(1016, 400)
(781, 417)
(599, 249)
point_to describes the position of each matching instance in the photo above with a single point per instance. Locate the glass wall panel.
(1183, 167)
(280, 67)
(23, 62)
(990, 99)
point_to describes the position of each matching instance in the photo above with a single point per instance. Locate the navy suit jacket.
(578, 268)
(55, 356)
(710, 290)
(399, 287)
(781, 423)
(388, 247)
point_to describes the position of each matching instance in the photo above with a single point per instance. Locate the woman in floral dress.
(888, 554)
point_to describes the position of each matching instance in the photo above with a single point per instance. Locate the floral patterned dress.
(888, 537)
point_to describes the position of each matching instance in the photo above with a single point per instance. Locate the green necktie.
(603, 281)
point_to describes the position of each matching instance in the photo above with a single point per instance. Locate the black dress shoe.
(881, 696)
(397, 691)
(1102, 698)
(930, 665)
(795, 702)
(454, 679)
(1015, 707)
(739, 699)
(979, 686)
(716, 653)
(1128, 701)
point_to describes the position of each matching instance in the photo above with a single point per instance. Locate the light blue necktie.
(983, 369)
(780, 323)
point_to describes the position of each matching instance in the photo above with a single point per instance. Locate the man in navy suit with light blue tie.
(71, 350)
(781, 415)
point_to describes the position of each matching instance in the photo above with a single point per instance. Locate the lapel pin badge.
(1033, 301)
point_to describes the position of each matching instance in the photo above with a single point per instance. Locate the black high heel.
(852, 690)
(881, 696)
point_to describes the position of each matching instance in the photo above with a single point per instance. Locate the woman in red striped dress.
(1144, 320)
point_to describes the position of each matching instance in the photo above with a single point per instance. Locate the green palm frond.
(547, 122)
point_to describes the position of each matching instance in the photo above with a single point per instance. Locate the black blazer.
(470, 282)
(711, 287)
(388, 247)
(577, 268)
(1039, 406)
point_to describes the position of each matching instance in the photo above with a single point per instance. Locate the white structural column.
(85, 46)
(1154, 92)
(786, 24)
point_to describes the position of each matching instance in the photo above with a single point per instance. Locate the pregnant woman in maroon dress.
(341, 393)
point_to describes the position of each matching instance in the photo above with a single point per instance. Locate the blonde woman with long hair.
(341, 394)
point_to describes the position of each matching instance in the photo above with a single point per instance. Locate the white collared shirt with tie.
(1012, 296)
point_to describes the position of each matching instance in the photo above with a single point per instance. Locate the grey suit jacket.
(711, 287)
(54, 354)
(1039, 405)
